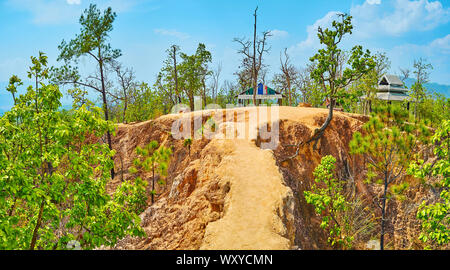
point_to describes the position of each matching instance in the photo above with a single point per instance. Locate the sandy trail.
(252, 207)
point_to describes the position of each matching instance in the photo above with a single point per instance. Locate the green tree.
(329, 201)
(329, 72)
(93, 43)
(53, 174)
(435, 217)
(368, 83)
(14, 82)
(387, 142)
(144, 104)
(80, 98)
(418, 91)
(193, 71)
(167, 82)
(345, 216)
(440, 108)
(152, 158)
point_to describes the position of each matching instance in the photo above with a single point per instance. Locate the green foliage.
(14, 82)
(92, 41)
(367, 86)
(167, 80)
(187, 143)
(152, 158)
(329, 202)
(388, 137)
(435, 217)
(193, 71)
(94, 33)
(144, 104)
(327, 61)
(434, 107)
(387, 142)
(53, 175)
(79, 97)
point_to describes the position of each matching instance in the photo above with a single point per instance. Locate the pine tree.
(155, 159)
(386, 143)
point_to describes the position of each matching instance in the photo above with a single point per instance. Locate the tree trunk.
(105, 108)
(176, 74)
(255, 79)
(383, 213)
(415, 109)
(318, 133)
(124, 120)
(290, 91)
(204, 93)
(38, 225)
(11, 211)
(153, 183)
(191, 102)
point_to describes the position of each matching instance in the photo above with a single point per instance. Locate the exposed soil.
(232, 192)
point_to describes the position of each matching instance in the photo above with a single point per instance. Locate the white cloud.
(373, 2)
(436, 52)
(374, 18)
(278, 34)
(312, 41)
(172, 33)
(441, 45)
(73, 2)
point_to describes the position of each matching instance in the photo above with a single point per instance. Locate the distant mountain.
(439, 88)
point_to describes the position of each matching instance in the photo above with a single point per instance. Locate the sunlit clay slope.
(233, 193)
(258, 210)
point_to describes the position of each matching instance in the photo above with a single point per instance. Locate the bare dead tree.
(229, 91)
(259, 48)
(404, 74)
(305, 83)
(421, 70)
(290, 74)
(244, 74)
(173, 54)
(125, 80)
(382, 64)
(215, 82)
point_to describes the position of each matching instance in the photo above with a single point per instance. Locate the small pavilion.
(263, 93)
(391, 88)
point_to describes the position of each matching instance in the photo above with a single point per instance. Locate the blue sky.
(143, 30)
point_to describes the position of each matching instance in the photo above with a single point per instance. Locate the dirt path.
(255, 205)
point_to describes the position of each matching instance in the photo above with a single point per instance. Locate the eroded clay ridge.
(229, 193)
